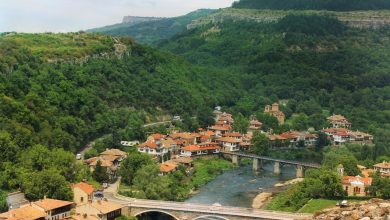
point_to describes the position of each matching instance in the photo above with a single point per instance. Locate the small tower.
(340, 170)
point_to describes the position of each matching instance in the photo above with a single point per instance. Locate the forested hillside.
(151, 32)
(332, 5)
(316, 62)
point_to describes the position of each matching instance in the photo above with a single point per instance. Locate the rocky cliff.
(361, 19)
(136, 20)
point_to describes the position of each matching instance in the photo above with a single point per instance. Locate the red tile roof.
(197, 147)
(84, 187)
(349, 179)
(167, 167)
(232, 134)
(384, 164)
(148, 144)
(50, 204)
(158, 136)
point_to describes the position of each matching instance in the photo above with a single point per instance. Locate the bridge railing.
(311, 165)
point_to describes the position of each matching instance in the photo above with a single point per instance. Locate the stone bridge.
(258, 163)
(191, 211)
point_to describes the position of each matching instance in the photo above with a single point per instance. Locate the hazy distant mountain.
(152, 31)
(136, 19)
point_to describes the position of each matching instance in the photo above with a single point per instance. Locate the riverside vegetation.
(60, 91)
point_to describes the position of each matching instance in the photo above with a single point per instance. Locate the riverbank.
(262, 198)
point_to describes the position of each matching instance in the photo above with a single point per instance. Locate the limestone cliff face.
(361, 19)
(136, 20)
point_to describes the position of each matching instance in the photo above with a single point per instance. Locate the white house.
(229, 143)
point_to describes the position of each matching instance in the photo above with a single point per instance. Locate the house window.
(82, 199)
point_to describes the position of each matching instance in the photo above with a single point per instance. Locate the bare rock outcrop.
(374, 209)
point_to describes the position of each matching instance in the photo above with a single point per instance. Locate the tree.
(240, 124)
(380, 187)
(132, 164)
(260, 144)
(8, 149)
(269, 121)
(341, 155)
(100, 173)
(3, 202)
(48, 183)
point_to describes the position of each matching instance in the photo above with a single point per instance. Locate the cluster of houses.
(204, 142)
(83, 207)
(109, 159)
(358, 185)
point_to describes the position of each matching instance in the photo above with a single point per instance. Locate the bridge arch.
(158, 211)
(213, 217)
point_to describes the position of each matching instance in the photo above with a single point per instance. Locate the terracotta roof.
(105, 207)
(158, 136)
(114, 152)
(50, 204)
(228, 139)
(275, 137)
(148, 144)
(182, 136)
(209, 133)
(168, 143)
(205, 137)
(103, 162)
(349, 179)
(167, 167)
(342, 134)
(384, 164)
(197, 147)
(84, 187)
(111, 158)
(179, 142)
(232, 134)
(23, 213)
(220, 128)
(337, 118)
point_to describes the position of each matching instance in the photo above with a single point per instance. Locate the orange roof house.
(339, 121)
(114, 152)
(168, 167)
(148, 144)
(82, 193)
(27, 212)
(356, 185)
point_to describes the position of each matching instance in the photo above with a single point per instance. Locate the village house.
(186, 138)
(246, 142)
(202, 149)
(104, 210)
(167, 167)
(274, 110)
(169, 144)
(152, 148)
(226, 118)
(229, 143)
(114, 153)
(156, 138)
(219, 130)
(54, 209)
(383, 168)
(296, 138)
(356, 185)
(339, 121)
(254, 125)
(109, 162)
(82, 193)
(340, 136)
(186, 161)
(277, 141)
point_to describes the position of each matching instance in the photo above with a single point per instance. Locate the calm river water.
(238, 187)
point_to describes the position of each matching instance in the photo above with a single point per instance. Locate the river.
(238, 187)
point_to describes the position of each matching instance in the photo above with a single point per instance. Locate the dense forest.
(152, 32)
(317, 63)
(332, 5)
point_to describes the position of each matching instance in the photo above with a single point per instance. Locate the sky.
(75, 15)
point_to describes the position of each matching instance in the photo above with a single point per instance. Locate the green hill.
(151, 32)
(314, 61)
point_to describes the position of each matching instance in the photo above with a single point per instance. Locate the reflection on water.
(238, 187)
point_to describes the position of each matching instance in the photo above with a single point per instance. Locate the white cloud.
(74, 15)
